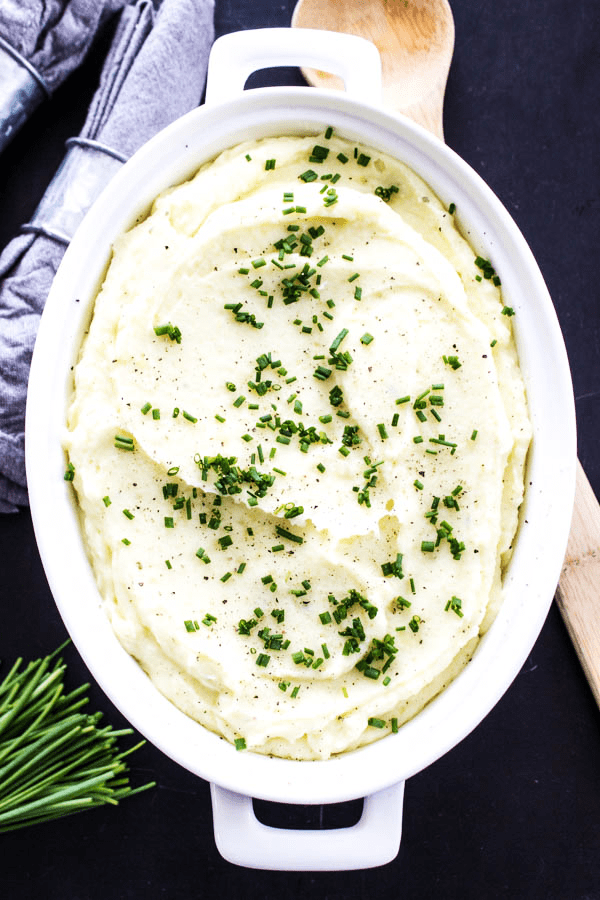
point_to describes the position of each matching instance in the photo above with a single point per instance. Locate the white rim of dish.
(167, 159)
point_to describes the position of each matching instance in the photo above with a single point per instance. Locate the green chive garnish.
(123, 443)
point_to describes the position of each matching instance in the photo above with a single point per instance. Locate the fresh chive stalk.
(55, 760)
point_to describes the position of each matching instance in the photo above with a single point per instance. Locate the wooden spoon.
(416, 39)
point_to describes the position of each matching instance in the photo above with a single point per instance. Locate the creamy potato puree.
(298, 434)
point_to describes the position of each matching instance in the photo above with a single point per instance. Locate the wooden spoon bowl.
(415, 39)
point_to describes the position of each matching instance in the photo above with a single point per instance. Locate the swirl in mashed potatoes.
(298, 433)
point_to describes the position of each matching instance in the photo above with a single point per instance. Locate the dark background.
(514, 810)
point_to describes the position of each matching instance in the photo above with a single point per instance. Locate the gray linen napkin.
(155, 72)
(51, 36)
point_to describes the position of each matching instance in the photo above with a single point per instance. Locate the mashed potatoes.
(298, 434)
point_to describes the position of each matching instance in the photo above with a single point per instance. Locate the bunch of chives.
(54, 759)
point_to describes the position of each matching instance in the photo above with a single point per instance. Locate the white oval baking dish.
(378, 771)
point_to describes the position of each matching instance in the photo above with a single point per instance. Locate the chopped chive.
(452, 361)
(322, 373)
(319, 153)
(284, 533)
(124, 443)
(172, 331)
(414, 623)
(338, 340)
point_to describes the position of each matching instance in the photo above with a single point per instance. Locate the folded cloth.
(155, 71)
(41, 42)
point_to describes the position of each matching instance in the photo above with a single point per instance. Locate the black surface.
(514, 810)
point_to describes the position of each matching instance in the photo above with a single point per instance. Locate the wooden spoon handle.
(578, 592)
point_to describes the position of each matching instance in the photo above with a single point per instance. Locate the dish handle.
(243, 840)
(234, 57)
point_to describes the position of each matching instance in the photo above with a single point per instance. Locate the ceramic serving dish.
(376, 772)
